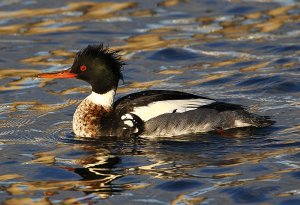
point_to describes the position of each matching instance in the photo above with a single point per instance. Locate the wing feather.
(151, 103)
(157, 108)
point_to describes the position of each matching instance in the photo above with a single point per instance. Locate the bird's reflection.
(109, 166)
(107, 159)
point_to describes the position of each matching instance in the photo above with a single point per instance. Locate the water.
(244, 52)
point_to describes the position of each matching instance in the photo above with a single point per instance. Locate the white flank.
(169, 106)
(104, 100)
(239, 123)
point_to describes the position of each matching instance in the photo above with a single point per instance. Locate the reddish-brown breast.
(87, 119)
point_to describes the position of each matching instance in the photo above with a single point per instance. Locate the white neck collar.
(105, 100)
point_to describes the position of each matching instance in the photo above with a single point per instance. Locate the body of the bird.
(152, 113)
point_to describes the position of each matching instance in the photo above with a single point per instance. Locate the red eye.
(83, 68)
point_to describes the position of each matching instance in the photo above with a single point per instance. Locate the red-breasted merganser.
(151, 113)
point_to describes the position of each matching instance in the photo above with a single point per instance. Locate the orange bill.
(61, 74)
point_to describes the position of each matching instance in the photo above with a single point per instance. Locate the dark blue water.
(243, 52)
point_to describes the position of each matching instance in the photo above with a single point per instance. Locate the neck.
(105, 99)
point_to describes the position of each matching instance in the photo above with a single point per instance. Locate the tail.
(260, 121)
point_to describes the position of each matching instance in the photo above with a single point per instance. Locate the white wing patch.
(155, 109)
(128, 120)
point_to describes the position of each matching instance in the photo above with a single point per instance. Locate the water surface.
(244, 52)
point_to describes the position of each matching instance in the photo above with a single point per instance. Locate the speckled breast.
(87, 119)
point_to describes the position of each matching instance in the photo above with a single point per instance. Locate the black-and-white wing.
(150, 104)
(158, 108)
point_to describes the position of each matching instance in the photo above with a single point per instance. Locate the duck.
(148, 113)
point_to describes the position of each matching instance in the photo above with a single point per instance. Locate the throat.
(92, 113)
(105, 99)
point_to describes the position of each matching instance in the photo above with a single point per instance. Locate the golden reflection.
(44, 159)
(10, 72)
(36, 105)
(38, 30)
(227, 62)
(10, 177)
(272, 25)
(61, 57)
(89, 11)
(27, 13)
(106, 9)
(171, 72)
(164, 30)
(48, 157)
(207, 78)
(225, 175)
(236, 29)
(22, 76)
(37, 110)
(142, 13)
(27, 201)
(289, 193)
(9, 29)
(289, 65)
(146, 42)
(296, 128)
(254, 15)
(71, 90)
(171, 2)
(255, 67)
(19, 78)
(281, 10)
(182, 199)
(216, 64)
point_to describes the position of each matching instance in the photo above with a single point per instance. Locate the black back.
(127, 103)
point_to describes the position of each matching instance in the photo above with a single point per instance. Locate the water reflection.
(111, 166)
(61, 17)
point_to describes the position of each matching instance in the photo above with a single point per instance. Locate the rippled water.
(244, 51)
